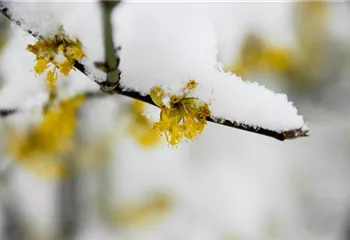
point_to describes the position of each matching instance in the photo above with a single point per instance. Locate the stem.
(112, 61)
(68, 206)
(7, 112)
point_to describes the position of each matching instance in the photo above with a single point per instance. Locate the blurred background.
(98, 171)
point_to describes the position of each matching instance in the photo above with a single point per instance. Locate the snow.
(222, 186)
(159, 48)
(253, 104)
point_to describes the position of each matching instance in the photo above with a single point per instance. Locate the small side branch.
(111, 58)
(113, 81)
(7, 112)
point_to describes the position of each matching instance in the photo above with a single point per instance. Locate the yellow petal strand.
(40, 66)
(51, 78)
(157, 95)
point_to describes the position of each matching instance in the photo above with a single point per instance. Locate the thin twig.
(7, 112)
(283, 135)
(88, 95)
(111, 59)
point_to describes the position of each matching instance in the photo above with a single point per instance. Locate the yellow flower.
(42, 148)
(59, 51)
(182, 116)
(190, 127)
(65, 68)
(140, 127)
(157, 95)
(40, 66)
(258, 55)
(174, 134)
(76, 53)
(192, 84)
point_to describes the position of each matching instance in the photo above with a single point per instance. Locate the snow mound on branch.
(169, 43)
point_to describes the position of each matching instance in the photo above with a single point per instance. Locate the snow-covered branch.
(233, 102)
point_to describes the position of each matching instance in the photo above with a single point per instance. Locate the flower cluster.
(59, 53)
(42, 148)
(140, 128)
(181, 115)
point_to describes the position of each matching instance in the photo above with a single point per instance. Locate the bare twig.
(88, 95)
(291, 134)
(7, 112)
(111, 59)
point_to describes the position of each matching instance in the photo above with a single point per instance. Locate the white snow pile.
(167, 44)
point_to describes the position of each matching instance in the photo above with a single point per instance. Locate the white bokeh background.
(227, 183)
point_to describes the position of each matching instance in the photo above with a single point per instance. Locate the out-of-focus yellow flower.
(42, 147)
(300, 65)
(140, 128)
(60, 52)
(151, 211)
(180, 116)
(313, 43)
(310, 24)
(258, 55)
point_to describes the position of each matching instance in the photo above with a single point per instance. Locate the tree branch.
(7, 112)
(291, 134)
(111, 59)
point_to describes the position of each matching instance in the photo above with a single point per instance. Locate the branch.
(7, 112)
(88, 95)
(105, 85)
(111, 60)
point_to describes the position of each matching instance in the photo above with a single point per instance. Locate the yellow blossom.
(65, 68)
(192, 84)
(76, 52)
(298, 65)
(190, 127)
(183, 116)
(60, 52)
(258, 55)
(140, 127)
(40, 66)
(41, 149)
